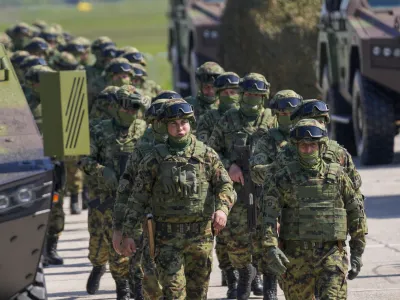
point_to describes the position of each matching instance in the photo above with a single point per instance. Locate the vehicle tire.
(37, 290)
(373, 122)
(342, 133)
(180, 78)
(194, 64)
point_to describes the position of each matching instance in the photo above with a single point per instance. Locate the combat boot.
(246, 277)
(51, 256)
(123, 292)
(85, 197)
(257, 285)
(232, 283)
(138, 290)
(270, 287)
(93, 283)
(74, 205)
(223, 278)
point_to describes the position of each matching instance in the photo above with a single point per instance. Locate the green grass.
(139, 23)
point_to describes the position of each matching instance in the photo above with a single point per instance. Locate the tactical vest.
(331, 153)
(279, 138)
(200, 204)
(316, 209)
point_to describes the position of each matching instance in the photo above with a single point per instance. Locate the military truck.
(192, 39)
(358, 69)
(31, 173)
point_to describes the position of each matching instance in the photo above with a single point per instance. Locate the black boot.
(74, 205)
(232, 277)
(85, 197)
(270, 287)
(51, 256)
(257, 285)
(246, 277)
(223, 278)
(138, 290)
(93, 283)
(123, 292)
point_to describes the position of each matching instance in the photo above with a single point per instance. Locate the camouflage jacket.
(200, 107)
(144, 146)
(95, 83)
(110, 146)
(283, 191)
(206, 123)
(150, 175)
(233, 123)
(265, 152)
(333, 153)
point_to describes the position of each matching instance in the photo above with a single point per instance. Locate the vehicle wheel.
(373, 122)
(180, 78)
(342, 133)
(194, 63)
(37, 290)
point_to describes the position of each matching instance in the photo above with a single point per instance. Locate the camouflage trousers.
(184, 262)
(322, 270)
(57, 217)
(74, 176)
(242, 248)
(98, 248)
(221, 248)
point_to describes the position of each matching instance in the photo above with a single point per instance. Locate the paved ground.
(379, 278)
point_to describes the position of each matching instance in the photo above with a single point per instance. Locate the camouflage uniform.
(80, 48)
(234, 137)
(54, 38)
(153, 136)
(111, 142)
(57, 216)
(318, 207)
(205, 74)
(101, 106)
(65, 61)
(148, 87)
(183, 236)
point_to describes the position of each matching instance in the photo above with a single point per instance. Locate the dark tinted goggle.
(33, 62)
(152, 111)
(225, 80)
(109, 53)
(207, 77)
(66, 66)
(21, 30)
(17, 59)
(119, 68)
(177, 110)
(251, 84)
(283, 104)
(130, 105)
(105, 45)
(75, 48)
(139, 72)
(308, 108)
(307, 132)
(49, 37)
(168, 95)
(134, 57)
(67, 36)
(37, 46)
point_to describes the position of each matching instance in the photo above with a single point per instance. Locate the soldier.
(272, 141)
(318, 207)
(40, 24)
(205, 77)
(135, 57)
(111, 142)
(234, 137)
(21, 34)
(190, 194)
(118, 72)
(16, 59)
(80, 48)
(52, 37)
(154, 135)
(101, 108)
(37, 46)
(65, 61)
(29, 62)
(6, 41)
(57, 216)
(140, 80)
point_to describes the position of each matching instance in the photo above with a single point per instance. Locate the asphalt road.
(379, 278)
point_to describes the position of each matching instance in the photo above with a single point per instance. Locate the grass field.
(139, 23)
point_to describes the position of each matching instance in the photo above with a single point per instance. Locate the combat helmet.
(32, 76)
(176, 109)
(311, 108)
(37, 46)
(128, 97)
(65, 61)
(308, 130)
(40, 24)
(166, 94)
(100, 43)
(21, 34)
(30, 61)
(135, 57)
(208, 72)
(254, 83)
(155, 108)
(18, 56)
(6, 41)
(285, 100)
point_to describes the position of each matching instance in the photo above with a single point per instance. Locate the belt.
(181, 227)
(313, 244)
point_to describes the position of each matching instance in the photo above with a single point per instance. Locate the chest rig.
(314, 210)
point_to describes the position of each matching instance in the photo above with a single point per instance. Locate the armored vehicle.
(358, 71)
(193, 39)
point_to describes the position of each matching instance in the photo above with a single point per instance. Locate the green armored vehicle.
(193, 39)
(358, 71)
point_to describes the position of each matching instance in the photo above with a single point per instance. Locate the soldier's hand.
(236, 174)
(128, 247)
(276, 260)
(117, 240)
(110, 178)
(356, 264)
(219, 219)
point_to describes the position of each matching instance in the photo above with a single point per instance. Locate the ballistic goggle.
(308, 109)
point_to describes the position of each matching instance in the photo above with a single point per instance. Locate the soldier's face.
(308, 148)
(208, 90)
(229, 92)
(178, 128)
